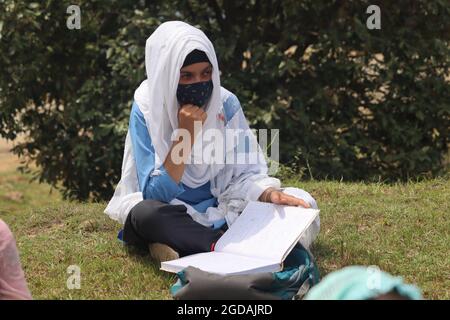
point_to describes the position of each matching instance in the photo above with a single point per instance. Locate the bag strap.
(304, 288)
(313, 276)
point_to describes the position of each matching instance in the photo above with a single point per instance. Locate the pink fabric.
(13, 285)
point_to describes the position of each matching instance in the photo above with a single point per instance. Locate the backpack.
(299, 274)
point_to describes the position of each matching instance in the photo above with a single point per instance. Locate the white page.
(221, 263)
(266, 231)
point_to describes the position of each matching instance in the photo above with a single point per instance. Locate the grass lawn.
(403, 228)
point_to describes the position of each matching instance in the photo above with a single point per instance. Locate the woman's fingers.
(187, 110)
(190, 113)
(285, 199)
(200, 114)
(300, 202)
(204, 116)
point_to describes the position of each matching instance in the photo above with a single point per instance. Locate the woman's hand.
(187, 115)
(278, 197)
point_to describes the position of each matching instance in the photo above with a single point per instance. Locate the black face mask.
(197, 93)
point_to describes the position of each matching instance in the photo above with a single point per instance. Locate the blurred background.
(352, 103)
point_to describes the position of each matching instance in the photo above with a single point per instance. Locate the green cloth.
(360, 283)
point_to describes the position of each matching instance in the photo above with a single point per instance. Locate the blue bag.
(298, 275)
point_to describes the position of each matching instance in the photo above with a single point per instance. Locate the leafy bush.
(350, 102)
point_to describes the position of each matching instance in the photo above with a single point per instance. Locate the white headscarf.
(165, 52)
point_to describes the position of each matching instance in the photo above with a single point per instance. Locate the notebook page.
(221, 263)
(266, 231)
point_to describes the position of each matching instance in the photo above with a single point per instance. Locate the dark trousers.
(153, 221)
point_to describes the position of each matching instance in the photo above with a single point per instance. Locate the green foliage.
(351, 103)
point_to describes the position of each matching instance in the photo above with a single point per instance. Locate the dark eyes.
(189, 75)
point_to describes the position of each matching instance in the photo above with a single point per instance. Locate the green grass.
(402, 228)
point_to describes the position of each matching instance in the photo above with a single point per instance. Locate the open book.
(258, 241)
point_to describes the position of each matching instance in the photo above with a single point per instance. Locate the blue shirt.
(158, 184)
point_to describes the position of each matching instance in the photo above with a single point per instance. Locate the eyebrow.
(189, 72)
